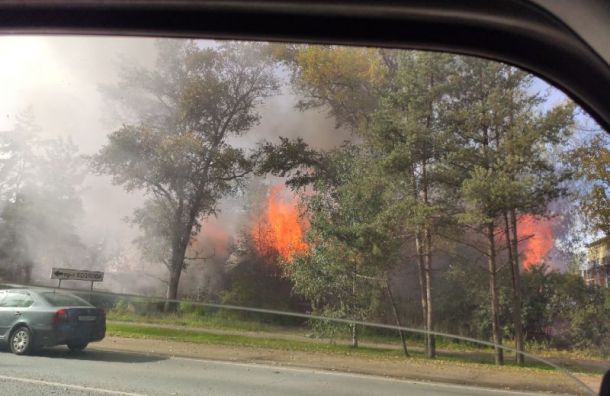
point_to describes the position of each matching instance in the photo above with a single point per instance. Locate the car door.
(12, 306)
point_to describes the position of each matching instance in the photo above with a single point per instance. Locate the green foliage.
(590, 162)
(186, 307)
(448, 146)
(294, 159)
(460, 296)
(343, 80)
(562, 310)
(559, 310)
(121, 306)
(343, 272)
(509, 166)
(258, 281)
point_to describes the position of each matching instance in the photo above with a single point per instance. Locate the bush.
(186, 307)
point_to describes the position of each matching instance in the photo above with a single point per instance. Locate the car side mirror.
(604, 389)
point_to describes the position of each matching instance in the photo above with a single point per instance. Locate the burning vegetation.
(537, 234)
(279, 230)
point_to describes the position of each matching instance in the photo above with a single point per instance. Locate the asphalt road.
(95, 372)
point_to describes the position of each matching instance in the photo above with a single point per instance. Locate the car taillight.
(60, 316)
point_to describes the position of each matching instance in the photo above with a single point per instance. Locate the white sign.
(72, 274)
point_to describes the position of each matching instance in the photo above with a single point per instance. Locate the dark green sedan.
(31, 319)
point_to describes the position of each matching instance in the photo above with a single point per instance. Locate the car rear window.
(63, 300)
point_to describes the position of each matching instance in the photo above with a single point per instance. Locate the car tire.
(77, 347)
(21, 341)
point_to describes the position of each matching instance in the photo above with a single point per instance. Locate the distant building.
(597, 268)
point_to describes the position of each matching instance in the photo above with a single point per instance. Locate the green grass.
(183, 335)
(209, 321)
(135, 331)
(226, 322)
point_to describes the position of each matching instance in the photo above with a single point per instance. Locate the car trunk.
(81, 323)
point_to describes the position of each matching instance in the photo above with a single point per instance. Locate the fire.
(279, 229)
(212, 240)
(540, 239)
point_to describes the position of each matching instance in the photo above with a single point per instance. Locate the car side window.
(16, 300)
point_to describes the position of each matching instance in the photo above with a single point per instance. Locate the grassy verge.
(184, 335)
(135, 331)
(220, 322)
(197, 321)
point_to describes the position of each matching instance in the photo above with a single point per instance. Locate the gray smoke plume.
(60, 80)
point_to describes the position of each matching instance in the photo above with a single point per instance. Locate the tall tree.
(179, 151)
(390, 100)
(453, 134)
(508, 169)
(408, 137)
(342, 273)
(590, 161)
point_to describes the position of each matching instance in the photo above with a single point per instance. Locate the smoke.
(59, 79)
(279, 117)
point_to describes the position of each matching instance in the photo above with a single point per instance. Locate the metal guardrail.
(347, 321)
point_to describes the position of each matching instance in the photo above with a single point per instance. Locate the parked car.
(31, 319)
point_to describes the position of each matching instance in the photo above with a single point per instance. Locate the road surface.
(101, 372)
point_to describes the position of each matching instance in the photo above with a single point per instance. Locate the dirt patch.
(412, 369)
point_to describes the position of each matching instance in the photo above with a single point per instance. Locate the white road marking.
(69, 386)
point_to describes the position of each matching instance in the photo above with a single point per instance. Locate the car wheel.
(77, 347)
(20, 341)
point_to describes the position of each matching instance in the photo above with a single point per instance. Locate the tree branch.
(457, 240)
(203, 258)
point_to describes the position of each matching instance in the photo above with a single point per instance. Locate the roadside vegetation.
(447, 351)
(126, 321)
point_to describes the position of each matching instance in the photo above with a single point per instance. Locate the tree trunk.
(516, 306)
(354, 326)
(403, 339)
(172, 290)
(430, 339)
(493, 293)
(516, 277)
(175, 270)
(422, 286)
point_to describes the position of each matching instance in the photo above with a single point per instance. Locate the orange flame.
(280, 229)
(539, 234)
